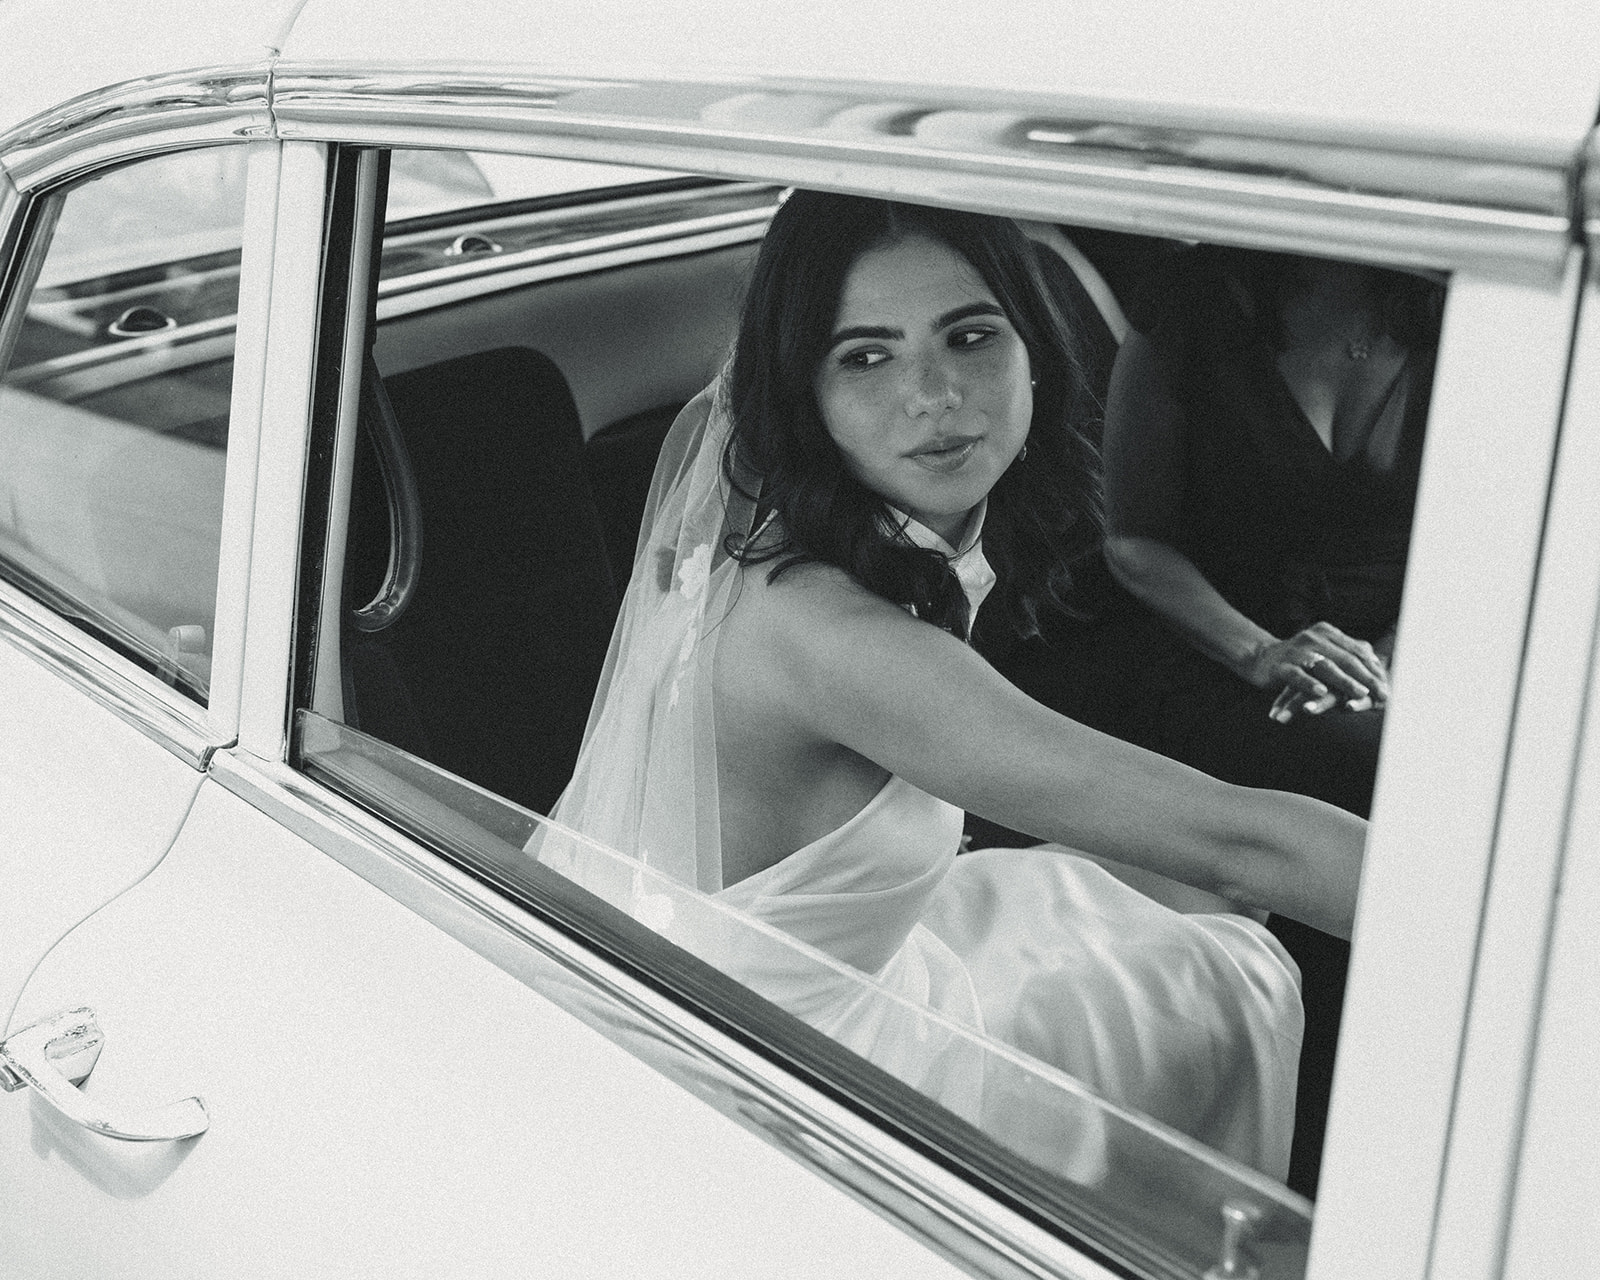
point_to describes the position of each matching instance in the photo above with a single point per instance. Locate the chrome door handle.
(55, 1054)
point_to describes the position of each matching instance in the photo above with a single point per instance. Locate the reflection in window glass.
(432, 182)
(117, 346)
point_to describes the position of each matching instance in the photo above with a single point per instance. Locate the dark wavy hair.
(1045, 512)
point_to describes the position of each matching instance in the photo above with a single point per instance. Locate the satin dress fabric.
(1194, 1020)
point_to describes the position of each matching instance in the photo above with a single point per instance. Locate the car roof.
(52, 51)
(1526, 74)
(1521, 78)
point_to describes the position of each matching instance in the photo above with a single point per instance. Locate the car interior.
(555, 397)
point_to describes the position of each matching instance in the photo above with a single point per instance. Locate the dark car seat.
(490, 668)
(620, 460)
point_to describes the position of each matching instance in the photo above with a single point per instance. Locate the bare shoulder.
(801, 622)
(805, 591)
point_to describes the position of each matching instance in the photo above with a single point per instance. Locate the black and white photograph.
(673, 639)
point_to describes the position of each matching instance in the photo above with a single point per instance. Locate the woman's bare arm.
(840, 665)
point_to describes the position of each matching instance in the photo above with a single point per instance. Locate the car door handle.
(54, 1055)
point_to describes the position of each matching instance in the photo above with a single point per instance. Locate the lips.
(950, 453)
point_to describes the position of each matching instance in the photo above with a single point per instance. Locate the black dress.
(1289, 535)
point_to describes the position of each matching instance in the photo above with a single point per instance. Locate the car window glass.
(453, 215)
(440, 182)
(525, 411)
(117, 349)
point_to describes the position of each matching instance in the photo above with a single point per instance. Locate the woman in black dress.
(1263, 434)
(1263, 437)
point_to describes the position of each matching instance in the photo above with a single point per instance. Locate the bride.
(791, 721)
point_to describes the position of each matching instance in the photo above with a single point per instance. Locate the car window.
(487, 523)
(426, 183)
(117, 349)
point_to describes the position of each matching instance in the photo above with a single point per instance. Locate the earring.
(1022, 456)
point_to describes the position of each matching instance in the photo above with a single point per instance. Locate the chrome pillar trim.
(922, 1197)
(1423, 202)
(1587, 184)
(11, 205)
(138, 117)
(160, 713)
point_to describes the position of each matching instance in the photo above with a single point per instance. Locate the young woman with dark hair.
(1044, 511)
(792, 720)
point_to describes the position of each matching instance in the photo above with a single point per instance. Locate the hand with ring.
(1318, 669)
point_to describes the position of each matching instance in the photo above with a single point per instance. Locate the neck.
(951, 528)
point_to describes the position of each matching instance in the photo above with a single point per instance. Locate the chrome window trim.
(425, 290)
(751, 221)
(922, 1197)
(139, 117)
(11, 210)
(1587, 186)
(1419, 201)
(96, 368)
(1405, 201)
(160, 713)
(491, 219)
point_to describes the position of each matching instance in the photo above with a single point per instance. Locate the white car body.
(401, 1065)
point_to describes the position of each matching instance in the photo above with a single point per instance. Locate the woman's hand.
(1316, 670)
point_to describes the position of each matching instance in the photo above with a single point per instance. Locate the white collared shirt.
(971, 568)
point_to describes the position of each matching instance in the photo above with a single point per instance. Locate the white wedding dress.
(1008, 984)
(1194, 1020)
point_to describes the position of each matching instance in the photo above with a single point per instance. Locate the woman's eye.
(970, 337)
(865, 358)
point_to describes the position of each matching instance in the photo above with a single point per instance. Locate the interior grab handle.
(54, 1055)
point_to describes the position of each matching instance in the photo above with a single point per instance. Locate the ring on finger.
(1312, 661)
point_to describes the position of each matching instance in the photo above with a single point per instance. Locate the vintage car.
(337, 340)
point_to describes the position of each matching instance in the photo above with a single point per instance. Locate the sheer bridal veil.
(646, 780)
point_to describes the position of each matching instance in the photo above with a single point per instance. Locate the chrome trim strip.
(930, 1202)
(158, 113)
(753, 221)
(11, 207)
(13, 214)
(1422, 202)
(1587, 186)
(160, 713)
(489, 218)
(455, 284)
(211, 338)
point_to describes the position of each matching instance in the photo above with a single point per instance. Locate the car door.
(386, 1097)
(1525, 1169)
(121, 576)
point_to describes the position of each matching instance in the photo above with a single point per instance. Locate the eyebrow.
(953, 316)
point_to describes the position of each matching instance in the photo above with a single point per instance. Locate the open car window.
(529, 353)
